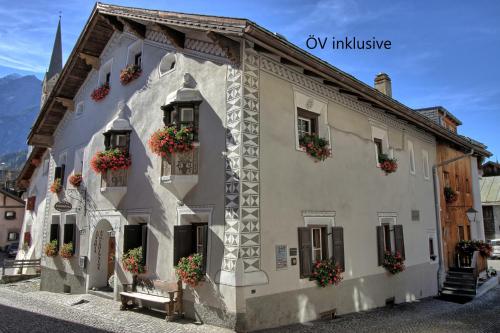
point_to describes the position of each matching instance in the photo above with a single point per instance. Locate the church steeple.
(56, 59)
(55, 66)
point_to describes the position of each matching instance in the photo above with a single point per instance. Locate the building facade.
(490, 199)
(247, 196)
(11, 219)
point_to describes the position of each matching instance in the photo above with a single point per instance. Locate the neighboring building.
(11, 218)
(458, 171)
(491, 168)
(490, 199)
(248, 197)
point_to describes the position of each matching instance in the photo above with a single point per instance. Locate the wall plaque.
(293, 251)
(63, 206)
(281, 257)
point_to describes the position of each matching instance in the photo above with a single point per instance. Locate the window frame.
(79, 106)
(104, 70)
(411, 158)
(387, 222)
(12, 233)
(135, 48)
(10, 215)
(425, 163)
(314, 107)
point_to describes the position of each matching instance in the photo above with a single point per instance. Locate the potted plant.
(450, 195)
(190, 269)
(326, 272)
(467, 247)
(393, 263)
(132, 261)
(112, 159)
(129, 74)
(50, 249)
(66, 250)
(75, 179)
(316, 147)
(170, 140)
(101, 92)
(56, 186)
(389, 165)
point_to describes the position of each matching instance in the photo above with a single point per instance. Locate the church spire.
(56, 59)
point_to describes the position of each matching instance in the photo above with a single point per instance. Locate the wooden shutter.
(30, 205)
(54, 233)
(338, 246)
(70, 235)
(399, 240)
(380, 245)
(144, 242)
(205, 247)
(63, 171)
(305, 252)
(183, 242)
(324, 243)
(132, 237)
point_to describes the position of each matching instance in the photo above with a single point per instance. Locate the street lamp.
(471, 214)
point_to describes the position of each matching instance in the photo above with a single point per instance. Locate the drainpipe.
(437, 206)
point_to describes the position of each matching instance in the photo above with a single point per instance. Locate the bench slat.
(146, 297)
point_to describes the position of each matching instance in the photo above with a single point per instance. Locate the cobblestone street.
(25, 309)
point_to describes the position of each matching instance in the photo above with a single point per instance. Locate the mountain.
(19, 106)
(14, 161)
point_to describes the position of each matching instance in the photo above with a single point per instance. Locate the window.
(317, 246)
(45, 166)
(134, 236)
(10, 215)
(415, 215)
(457, 183)
(412, 157)
(108, 77)
(119, 141)
(30, 203)
(461, 233)
(138, 59)
(189, 239)
(167, 64)
(70, 231)
(467, 186)
(307, 122)
(79, 110)
(432, 253)
(425, 159)
(78, 161)
(54, 229)
(105, 73)
(446, 176)
(390, 238)
(378, 146)
(12, 236)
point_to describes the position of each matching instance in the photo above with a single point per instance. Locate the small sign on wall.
(281, 257)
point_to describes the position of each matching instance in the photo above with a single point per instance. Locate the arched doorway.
(102, 256)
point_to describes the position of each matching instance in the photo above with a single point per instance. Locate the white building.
(262, 208)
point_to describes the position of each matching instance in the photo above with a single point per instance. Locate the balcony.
(114, 185)
(179, 172)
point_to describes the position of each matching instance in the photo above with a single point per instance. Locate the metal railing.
(28, 263)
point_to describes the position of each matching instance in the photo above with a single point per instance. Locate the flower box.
(56, 186)
(111, 159)
(316, 147)
(100, 93)
(450, 195)
(50, 249)
(326, 272)
(129, 74)
(75, 179)
(389, 165)
(170, 140)
(190, 269)
(66, 250)
(393, 263)
(132, 261)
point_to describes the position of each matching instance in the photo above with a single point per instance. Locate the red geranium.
(316, 147)
(389, 165)
(129, 74)
(393, 263)
(75, 179)
(170, 140)
(326, 272)
(101, 92)
(56, 186)
(112, 159)
(190, 269)
(132, 261)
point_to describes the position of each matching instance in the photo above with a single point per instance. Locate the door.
(111, 256)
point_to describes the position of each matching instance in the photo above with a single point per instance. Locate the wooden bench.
(168, 295)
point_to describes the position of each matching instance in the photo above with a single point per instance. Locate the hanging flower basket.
(75, 179)
(129, 74)
(101, 92)
(450, 195)
(316, 147)
(393, 263)
(169, 140)
(326, 272)
(132, 261)
(190, 269)
(50, 249)
(389, 165)
(66, 250)
(111, 159)
(56, 186)
(469, 246)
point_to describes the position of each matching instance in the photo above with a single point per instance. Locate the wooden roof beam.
(68, 103)
(331, 84)
(41, 140)
(136, 28)
(114, 22)
(311, 73)
(176, 37)
(90, 60)
(229, 46)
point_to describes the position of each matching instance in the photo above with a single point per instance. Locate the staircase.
(460, 284)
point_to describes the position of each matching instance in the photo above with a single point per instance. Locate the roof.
(30, 166)
(12, 196)
(445, 112)
(56, 58)
(106, 18)
(490, 190)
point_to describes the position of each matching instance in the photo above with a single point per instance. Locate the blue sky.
(443, 52)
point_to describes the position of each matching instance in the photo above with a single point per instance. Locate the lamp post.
(471, 215)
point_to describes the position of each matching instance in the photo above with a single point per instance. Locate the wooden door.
(111, 256)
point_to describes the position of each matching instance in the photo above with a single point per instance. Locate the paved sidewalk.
(23, 308)
(428, 315)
